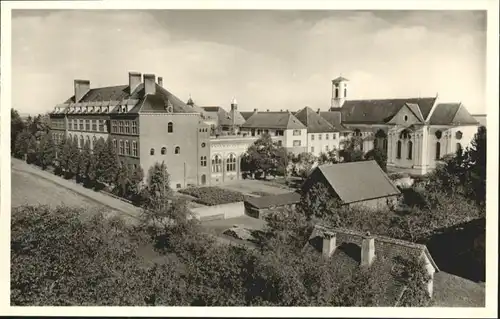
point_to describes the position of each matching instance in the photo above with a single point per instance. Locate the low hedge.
(212, 195)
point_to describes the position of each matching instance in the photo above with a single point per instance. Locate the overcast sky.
(266, 59)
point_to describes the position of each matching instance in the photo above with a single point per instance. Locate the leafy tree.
(59, 259)
(46, 151)
(64, 153)
(32, 150)
(330, 157)
(107, 162)
(17, 126)
(95, 171)
(21, 144)
(135, 185)
(265, 156)
(122, 181)
(303, 164)
(378, 155)
(318, 201)
(477, 161)
(73, 158)
(352, 150)
(412, 274)
(84, 161)
(157, 192)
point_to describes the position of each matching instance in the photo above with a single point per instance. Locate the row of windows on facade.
(410, 150)
(124, 127)
(272, 133)
(57, 123)
(87, 125)
(217, 163)
(163, 151)
(327, 136)
(123, 147)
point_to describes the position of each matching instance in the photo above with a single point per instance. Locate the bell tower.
(339, 91)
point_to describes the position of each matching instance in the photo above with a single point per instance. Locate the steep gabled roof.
(158, 102)
(381, 111)
(276, 120)
(451, 114)
(313, 121)
(246, 115)
(236, 118)
(218, 113)
(334, 118)
(358, 181)
(415, 109)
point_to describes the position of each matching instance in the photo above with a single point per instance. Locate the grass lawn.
(454, 291)
(28, 189)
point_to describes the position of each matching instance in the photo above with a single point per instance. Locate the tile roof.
(384, 246)
(278, 120)
(451, 114)
(157, 103)
(150, 103)
(274, 200)
(381, 111)
(218, 113)
(415, 109)
(246, 114)
(334, 118)
(236, 118)
(109, 93)
(313, 121)
(358, 181)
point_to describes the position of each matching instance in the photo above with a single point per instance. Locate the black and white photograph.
(269, 157)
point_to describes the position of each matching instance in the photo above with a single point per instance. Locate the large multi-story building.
(415, 132)
(146, 123)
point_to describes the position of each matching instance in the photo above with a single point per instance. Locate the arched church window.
(410, 150)
(398, 153)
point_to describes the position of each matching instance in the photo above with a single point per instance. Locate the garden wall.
(223, 211)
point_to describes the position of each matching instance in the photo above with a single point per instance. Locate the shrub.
(213, 195)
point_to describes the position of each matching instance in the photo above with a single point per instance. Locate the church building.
(414, 132)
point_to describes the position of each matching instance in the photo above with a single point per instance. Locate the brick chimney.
(367, 250)
(329, 244)
(134, 79)
(160, 81)
(149, 84)
(81, 88)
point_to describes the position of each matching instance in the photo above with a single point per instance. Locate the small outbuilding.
(356, 184)
(259, 207)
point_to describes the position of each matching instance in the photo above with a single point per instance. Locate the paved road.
(112, 203)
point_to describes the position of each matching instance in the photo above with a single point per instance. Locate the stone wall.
(223, 211)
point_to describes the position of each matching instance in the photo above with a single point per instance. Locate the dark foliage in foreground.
(58, 258)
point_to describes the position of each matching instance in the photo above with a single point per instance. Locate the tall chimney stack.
(149, 84)
(134, 79)
(367, 250)
(329, 244)
(81, 88)
(160, 81)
